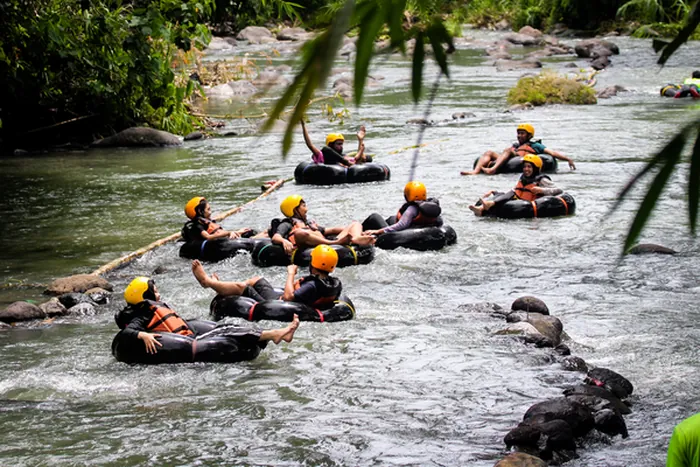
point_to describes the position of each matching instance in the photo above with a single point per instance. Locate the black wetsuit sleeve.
(284, 229)
(331, 157)
(306, 294)
(136, 325)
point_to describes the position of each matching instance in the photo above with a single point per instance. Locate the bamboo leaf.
(435, 37)
(652, 196)
(694, 185)
(675, 146)
(395, 21)
(369, 29)
(418, 57)
(659, 44)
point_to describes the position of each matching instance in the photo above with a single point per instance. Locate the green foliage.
(62, 59)
(652, 11)
(550, 88)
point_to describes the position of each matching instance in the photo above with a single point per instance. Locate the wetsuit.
(415, 214)
(332, 157)
(542, 181)
(684, 448)
(314, 291)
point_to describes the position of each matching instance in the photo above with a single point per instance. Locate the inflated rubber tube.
(247, 308)
(417, 238)
(670, 90)
(267, 254)
(515, 164)
(546, 206)
(177, 348)
(216, 250)
(310, 173)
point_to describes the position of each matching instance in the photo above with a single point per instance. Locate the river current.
(416, 379)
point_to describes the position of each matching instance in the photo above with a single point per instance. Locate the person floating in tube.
(148, 317)
(201, 227)
(531, 185)
(318, 289)
(295, 230)
(417, 211)
(491, 161)
(332, 152)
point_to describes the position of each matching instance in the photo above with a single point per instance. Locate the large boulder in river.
(530, 31)
(21, 311)
(139, 137)
(530, 304)
(610, 380)
(520, 459)
(53, 308)
(508, 65)
(577, 416)
(644, 248)
(585, 48)
(543, 439)
(231, 89)
(293, 34)
(523, 39)
(549, 327)
(78, 283)
(256, 35)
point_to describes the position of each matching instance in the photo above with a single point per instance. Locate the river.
(415, 379)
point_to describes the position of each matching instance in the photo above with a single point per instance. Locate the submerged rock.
(520, 459)
(194, 136)
(530, 304)
(644, 248)
(610, 91)
(577, 416)
(21, 311)
(53, 308)
(139, 137)
(585, 48)
(82, 309)
(610, 380)
(293, 34)
(77, 283)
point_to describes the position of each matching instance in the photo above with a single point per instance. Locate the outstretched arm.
(307, 139)
(560, 156)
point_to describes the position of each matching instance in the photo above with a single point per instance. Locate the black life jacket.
(294, 222)
(329, 289)
(428, 212)
(192, 232)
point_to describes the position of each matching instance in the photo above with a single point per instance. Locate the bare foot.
(284, 334)
(469, 172)
(344, 240)
(364, 240)
(488, 205)
(489, 170)
(477, 210)
(200, 274)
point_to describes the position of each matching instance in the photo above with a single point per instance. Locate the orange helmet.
(192, 205)
(414, 191)
(534, 160)
(324, 258)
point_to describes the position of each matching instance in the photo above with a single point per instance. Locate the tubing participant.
(332, 152)
(531, 185)
(684, 447)
(317, 290)
(690, 86)
(201, 227)
(417, 211)
(524, 145)
(295, 230)
(150, 316)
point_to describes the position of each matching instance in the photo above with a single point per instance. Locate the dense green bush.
(102, 64)
(550, 88)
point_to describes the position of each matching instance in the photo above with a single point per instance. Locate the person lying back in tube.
(295, 230)
(690, 87)
(318, 289)
(417, 211)
(332, 152)
(524, 145)
(531, 185)
(201, 227)
(149, 316)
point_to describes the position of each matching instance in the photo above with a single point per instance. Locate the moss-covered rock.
(550, 88)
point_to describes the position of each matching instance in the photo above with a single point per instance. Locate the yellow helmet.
(527, 127)
(324, 258)
(191, 206)
(333, 137)
(135, 291)
(414, 191)
(533, 159)
(289, 204)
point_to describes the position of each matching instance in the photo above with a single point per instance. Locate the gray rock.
(523, 39)
(571, 363)
(610, 91)
(220, 44)
(77, 283)
(256, 35)
(53, 308)
(194, 136)
(600, 63)
(530, 31)
(418, 121)
(82, 309)
(139, 137)
(571, 65)
(645, 248)
(4, 326)
(461, 115)
(98, 295)
(548, 326)
(502, 25)
(530, 304)
(485, 307)
(519, 107)
(270, 78)
(21, 311)
(520, 459)
(527, 64)
(578, 416)
(498, 54)
(293, 34)
(231, 89)
(584, 48)
(348, 49)
(610, 422)
(69, 300)
(344, 91)
(346, 80)
(610, 380)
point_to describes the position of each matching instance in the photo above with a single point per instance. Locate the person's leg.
(283, 334)
(213, 282)
(504, 156)
(482, 163)
(264, 290)
(311, 238)
(355, 232)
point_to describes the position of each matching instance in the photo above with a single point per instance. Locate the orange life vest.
(524, 192)
(421, 218)
(329, 293)
(524, 149)
(166, 320)
(212, 226)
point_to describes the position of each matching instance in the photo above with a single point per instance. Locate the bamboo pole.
(176, 236)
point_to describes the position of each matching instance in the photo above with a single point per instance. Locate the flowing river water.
(416, 379)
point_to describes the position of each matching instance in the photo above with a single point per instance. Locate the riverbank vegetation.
(550, 88)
